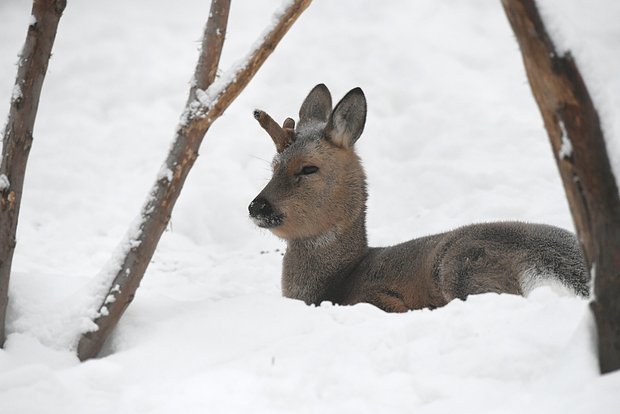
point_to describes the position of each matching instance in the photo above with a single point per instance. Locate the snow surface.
(453, 136)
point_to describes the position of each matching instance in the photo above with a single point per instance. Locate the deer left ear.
(347, 120)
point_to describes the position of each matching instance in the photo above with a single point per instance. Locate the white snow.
(165, 173)
(104, 310)
(33, 20)
(17, 93)
(566, 147)
(453, 136)
(4, 182)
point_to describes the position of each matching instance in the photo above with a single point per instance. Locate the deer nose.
(260, 207)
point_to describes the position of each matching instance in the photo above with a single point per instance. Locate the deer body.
(316, 201)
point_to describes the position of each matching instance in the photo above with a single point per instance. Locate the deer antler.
(283, 135)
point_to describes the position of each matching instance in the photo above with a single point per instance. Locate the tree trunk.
(18, 134)
(574, 130)
(208, 99)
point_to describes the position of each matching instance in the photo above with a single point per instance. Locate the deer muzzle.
(263, 213)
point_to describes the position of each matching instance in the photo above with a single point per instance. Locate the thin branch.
(203, 108)
(574, 129)
(212, 44)
(18, 133)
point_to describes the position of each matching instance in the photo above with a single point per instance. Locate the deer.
(316, 202)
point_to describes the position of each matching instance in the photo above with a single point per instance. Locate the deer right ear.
(317, 105)
(346, 122)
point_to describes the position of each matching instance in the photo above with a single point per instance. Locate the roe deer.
(316, 201)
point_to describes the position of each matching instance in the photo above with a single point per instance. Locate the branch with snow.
(207, 100)
(579, 147)
(18, 133)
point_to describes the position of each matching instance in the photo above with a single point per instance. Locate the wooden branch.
(574, 130)
(18, 133)
(212, 44)
(203, 108)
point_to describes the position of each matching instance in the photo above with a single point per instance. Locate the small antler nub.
(281, 136)
(289, 123)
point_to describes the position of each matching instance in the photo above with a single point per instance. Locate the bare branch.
(18, 133)
(578, 143)
(201, 111)
(212, 44)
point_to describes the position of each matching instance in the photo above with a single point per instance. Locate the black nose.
(260, 207)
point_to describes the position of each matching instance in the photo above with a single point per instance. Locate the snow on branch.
(579, 148)
(207, 100)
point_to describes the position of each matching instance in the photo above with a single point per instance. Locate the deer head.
(318, 184)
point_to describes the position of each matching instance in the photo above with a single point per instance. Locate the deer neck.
(315, 270)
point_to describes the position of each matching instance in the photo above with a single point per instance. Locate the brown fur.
(316, 201)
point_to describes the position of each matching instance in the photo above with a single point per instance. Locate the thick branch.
(203, 108)
(574, 130)
(18, 134)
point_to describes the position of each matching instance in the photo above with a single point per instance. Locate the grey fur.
(322, 217)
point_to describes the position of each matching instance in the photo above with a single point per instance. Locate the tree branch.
(574, 130)
(203, 108)
(18, 133)
(212, 44)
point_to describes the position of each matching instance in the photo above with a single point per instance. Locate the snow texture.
(17, 93)
(165, 173)
(4, 182)
(566, 148)
(453, 136)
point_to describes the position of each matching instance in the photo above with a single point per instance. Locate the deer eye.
(309, 169)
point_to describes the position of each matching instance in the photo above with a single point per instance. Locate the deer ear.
(346, 122)
(317, 105)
